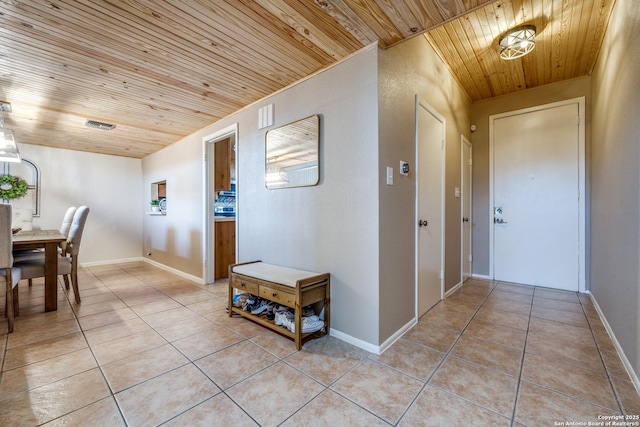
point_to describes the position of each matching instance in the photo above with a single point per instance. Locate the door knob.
(465, 219)
(499, 221)
(423, 223)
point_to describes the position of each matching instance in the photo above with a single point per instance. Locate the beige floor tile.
(566, 352)
(156, 306)
(499, 334)
(568, 333)
(209, 305)
(106, 318)
(570, 380)
(614, 365)
(140, 367)
(515, 288)
(47, 371)
(508, 306)
(329, 410)
(627, 395)
(168, 316)
(217, 411)
(603, 340)
(381, 390)
(426, 333)
(569, 317)
(185, 327)
(193, 297)
(48, 402)
(499, 295)
(205, 343)
(504, 318)
(486, 353)
(445, 320)
(539, 406)
(411, 358)
(437, 408)
(243, 327)
(223, 367)
(275, 344)
(103, 413)
(462, 309)
(325, 359)
(124, 347)
(282, 391)
(41, 332)
(559, 295)
(99, 298)
(486, 387)
(115, 330)
(573, 307)
(31, 353)
(89, 309)
(162, 398)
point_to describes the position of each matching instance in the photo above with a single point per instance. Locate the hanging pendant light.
(517, 42)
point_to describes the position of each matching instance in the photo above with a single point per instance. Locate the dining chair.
(67, 264)
(11, 274)
(35, 253)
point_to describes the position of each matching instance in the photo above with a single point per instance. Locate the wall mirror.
(292, 154)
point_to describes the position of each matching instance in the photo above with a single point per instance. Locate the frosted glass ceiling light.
(517, 42)
(8, 147)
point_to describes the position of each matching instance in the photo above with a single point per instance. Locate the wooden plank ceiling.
(161, 70)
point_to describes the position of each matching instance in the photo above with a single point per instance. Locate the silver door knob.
(465, 219)
(423, 223)
(499, 221)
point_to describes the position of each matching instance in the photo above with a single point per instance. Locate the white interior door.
(465, 207)
(429, 221)
(536, 197)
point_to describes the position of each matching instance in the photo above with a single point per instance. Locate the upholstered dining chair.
(67, 264)
(35, 253)
(10, 273)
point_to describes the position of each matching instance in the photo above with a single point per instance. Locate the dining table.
(49, 240)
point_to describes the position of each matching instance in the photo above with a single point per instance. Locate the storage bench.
(286, 286)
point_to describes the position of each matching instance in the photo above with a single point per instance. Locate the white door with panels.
(430, 128)
(538, 196)
(465, 207)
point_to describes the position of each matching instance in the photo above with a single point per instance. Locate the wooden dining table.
(49, 240)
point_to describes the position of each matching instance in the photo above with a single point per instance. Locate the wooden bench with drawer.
(282, 285)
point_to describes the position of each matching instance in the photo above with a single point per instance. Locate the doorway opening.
(220, 204)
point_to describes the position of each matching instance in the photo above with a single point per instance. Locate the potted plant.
(155, 205)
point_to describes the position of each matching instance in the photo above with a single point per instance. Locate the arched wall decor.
(30, 172)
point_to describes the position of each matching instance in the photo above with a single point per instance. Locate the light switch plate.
(457, 192)
(389, 175)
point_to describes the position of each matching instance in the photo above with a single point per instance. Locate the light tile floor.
(149, 348)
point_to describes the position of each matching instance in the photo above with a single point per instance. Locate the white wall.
(109, 185)
(331, 227)
(615, 175)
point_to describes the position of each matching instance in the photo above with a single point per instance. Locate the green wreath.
(12, 187)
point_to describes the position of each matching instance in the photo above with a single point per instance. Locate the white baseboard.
(371, 348)
(481, 276)
(616, 344)
(198, 280)
(452, 290)
(111, 261)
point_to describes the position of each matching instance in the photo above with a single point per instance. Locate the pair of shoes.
(308, 311)
(280, 315)
(248, 304)
(259, 306)
(309, 324)
(270, 311)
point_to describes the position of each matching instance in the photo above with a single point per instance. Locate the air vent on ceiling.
(98, 125)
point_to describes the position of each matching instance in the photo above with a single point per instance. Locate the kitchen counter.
(224, 218)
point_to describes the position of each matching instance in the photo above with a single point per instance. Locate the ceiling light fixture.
(517, 42)
(8, 147)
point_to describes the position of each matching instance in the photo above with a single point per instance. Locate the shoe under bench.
(282, 285)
